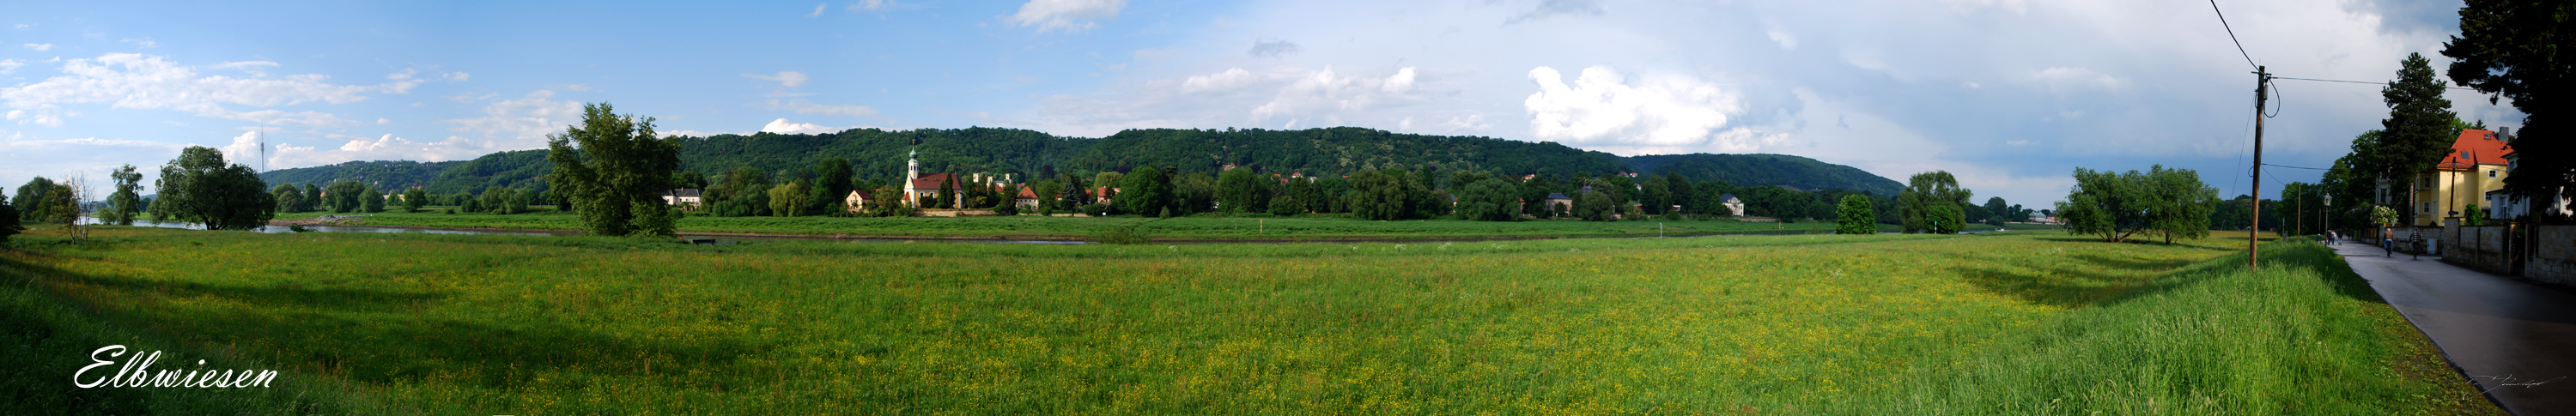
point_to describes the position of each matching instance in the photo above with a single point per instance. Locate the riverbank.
(1203, 228)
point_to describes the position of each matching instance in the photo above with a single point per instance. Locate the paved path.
(2515, 339)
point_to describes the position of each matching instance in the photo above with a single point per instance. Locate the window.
(2428, 208)
(2491, 173)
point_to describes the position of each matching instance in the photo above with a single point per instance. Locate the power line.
(2231, 33)
(2292, 167)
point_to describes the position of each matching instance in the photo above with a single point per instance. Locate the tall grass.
(2304, 335)
(548, 325)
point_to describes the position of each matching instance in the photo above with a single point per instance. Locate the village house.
(2475, 166)
(687, 199)
(1732, 204)
(857, 200)
(1027, 200)
(1557, 202)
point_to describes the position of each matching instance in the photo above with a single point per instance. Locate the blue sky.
(2009, 95)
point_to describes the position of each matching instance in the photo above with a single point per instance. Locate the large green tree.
(614, 169)
(31, 197)
(1242, 190)
(2525, 50)
(1931, 203)
(1854, 215)
(127, 201)
(8, 221)
(2117, 206)
(2418, 131)
(1489, 199)
(199, 187)
(1145, 191)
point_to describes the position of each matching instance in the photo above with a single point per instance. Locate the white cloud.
(1547, 8)
(782, 126)
(148, 82)
(39, 47)
(800, 106)
(1273, 48)
(10, 65)
(1659, 112)
(1786, 40)
(87, 141)
(868, 5)
(523, 122)
(818, 10)
(1225, 81)
(146, 43)
(1281, 97)
(2064, 79)
(244, 149)
(789, 79)
(1066, 15)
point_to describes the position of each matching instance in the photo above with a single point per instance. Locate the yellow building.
(2476, 165)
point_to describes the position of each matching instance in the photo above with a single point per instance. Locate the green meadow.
(1200, 227)
(2004, 323)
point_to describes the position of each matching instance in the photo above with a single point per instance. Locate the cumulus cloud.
(782, 126)
(2063, 79)
(789, 79)
(39, 47)
(146, 43)
(1602, 108)
(1549, 8)
(149, 82)
(522, 121)
(10, 65)
(800, 106)
(1066, 15)
(1280, 97)
(1273, 48)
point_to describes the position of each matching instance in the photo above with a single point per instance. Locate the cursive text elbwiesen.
(137, 372)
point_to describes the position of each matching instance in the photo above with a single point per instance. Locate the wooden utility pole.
(2262, 83)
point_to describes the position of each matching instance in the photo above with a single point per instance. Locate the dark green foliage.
(744, 193)
(1240, 190)
(289, 198)
(1855, 216)
(2418, 130)
(344, 196)
(126, 202)
(1010, 197)
(831, 187)
(1488, 199)
(1074, 193)
(8, 221)
(199, 187)
(1933, 203)
(414, 199)
(1192, 192)
(2522, 50)
(1145, 191)
(312, 199)
(31, 200)
(502, 201)
(1378, 195)
(2116, 206)
(384, 174)
(1766, 169)
(617, 174)
(1594, 206)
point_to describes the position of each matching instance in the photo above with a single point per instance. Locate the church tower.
(911, 175)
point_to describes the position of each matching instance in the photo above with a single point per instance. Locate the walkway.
(2515, 339)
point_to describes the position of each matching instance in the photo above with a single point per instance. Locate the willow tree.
(613, 169)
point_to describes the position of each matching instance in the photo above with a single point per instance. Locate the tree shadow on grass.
(361, 335)
(2088, 285)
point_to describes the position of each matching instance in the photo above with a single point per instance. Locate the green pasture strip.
(1202, 227)
(548, 325)
(2305, 335)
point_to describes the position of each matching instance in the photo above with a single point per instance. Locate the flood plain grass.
(1198, 227)
(1773, 324)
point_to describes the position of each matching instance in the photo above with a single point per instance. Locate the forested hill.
(380, 173)
(1767, 169)
(878, 155)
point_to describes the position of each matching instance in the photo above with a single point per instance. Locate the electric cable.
(2370, 83)
(2231, 33)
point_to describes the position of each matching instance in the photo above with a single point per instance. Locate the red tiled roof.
(930, 181)
(1026, 193)
(2478, 147)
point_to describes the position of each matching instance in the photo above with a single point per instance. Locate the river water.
(278, 229)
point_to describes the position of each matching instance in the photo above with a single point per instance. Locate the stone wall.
(2479, 247)
(2553, 257)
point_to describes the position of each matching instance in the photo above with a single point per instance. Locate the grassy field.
(1260, 227)
(429, 324)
